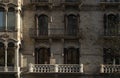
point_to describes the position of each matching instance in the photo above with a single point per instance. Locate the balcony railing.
(54, 32)
(110, 68)
(56, 68)
(8, 69)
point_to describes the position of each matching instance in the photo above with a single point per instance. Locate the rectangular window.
(71, 55)
(11, 21)
(2, 26)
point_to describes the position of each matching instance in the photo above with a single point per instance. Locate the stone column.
(17, 68)
(6, 46)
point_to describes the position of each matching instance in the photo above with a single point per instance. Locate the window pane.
(72, 25)
(10, 54)
(2, 54)
(11, 21)
(2, 20)
(43, 25)
(71, 56)
(42, 56)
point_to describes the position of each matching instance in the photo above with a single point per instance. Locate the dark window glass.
(11, 54)
(72, 25)
(42, 56)
(71, 56)
(43, 25)
(2, 54)
(111, 24)
(111, 56)
(11, 19)
(2, 18)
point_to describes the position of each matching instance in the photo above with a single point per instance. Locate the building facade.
(59, 39)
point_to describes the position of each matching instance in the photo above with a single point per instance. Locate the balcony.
(110, 69)
(55, 68)
(9, 69)
(55, 33)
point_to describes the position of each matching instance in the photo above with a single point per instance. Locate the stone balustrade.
(110, 68)
(56, 68)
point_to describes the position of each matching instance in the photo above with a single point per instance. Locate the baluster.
(56, 68)
(41, 68)
(30, 67)
(81, 68)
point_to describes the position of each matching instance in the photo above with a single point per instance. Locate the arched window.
(2, 54)
(2, 18)
(11, 54)
(43, 25)
(111, 24)
(71, 55)
(72, 25)
(42, 56)
(11, 19)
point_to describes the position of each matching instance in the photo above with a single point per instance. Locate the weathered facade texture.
(59, 39)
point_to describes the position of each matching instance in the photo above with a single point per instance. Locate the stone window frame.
(7, 8)
(43, 57)
(108, 29)
(66, 22)
(67, 54)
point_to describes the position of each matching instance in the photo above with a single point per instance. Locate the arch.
(12, 40)
(2, 40)
(43, 24)
(11, 44)
(12, 5)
